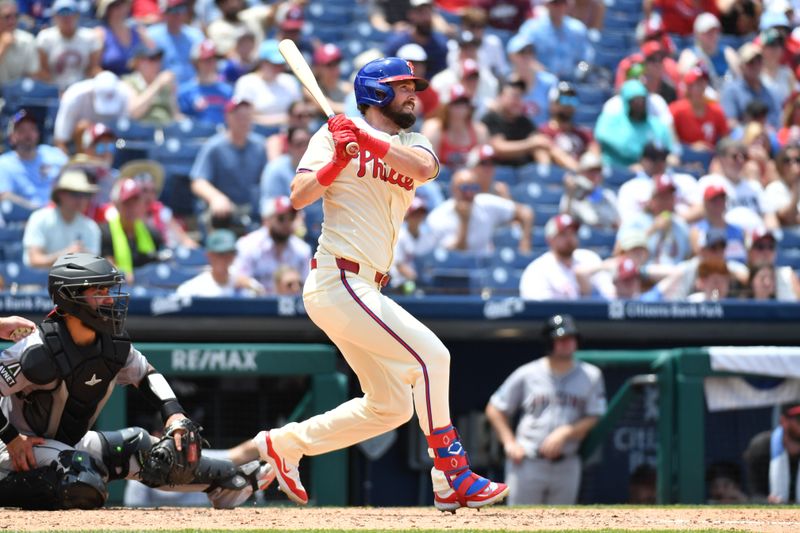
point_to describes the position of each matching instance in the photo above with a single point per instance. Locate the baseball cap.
(235, 102)
(95, 132)
(276, 206)
(626, 269)
(468, 38)
(705, 22)
(107, 99)
(564, 93)
(714, 190)
(770, 19)
(749, 51)
(417, 204)
(651, 48)
(559, 223)
(74, 180)
(269, 52)
(64, 7)
(149, 52)
(205, 50)
(630, 238)
(125, 189)
(759, 234)
(771, 36)
(326, 54)
(167, 5)
(458, 93)
(102, 7)
(694, 74)
(293, 18)
(21, 116)
(654, 152)
(517, 43)
(469, 67)
(712, 236)
(221, 241)
(412, 52)
(663, 183)
(588, 161)
(791, 409)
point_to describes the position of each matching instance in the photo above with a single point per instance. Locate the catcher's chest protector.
(87, 376)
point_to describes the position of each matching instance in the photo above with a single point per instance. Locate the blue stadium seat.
(332, 14)
(313, 219)
(12, 212)
(615, 39)
(534, 194)
(506, 174)
(131, 130)
(162, 275)
(12, 251)
(18, 276)
(189, 129)
(503, 281)
(788, 258)
(190, 257)
(609, 57)
(790, 238)
(544, 212)
(586, 115)
(616, 176)
(266, 131)
(596, 237)
(449, 271)
(511, 258)
(590, 94)
(506, 236)
(700, 159)
(177, 158)
(542, 174)
(27, 92)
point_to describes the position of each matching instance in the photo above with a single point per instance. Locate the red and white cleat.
(288, 474)
(470, 494)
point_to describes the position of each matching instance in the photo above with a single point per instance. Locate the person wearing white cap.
(62, 228)
(261, 252)
(539, 82)
(428, 99)
(269, 88)
(552, 276)
(466, 65)
(237, 16)
(67, 52)
(705, 52)
(99, 99)
(586, 199)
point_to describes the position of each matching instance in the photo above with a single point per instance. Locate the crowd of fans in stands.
(663, 134)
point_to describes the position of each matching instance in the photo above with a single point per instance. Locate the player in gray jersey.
(559, 400)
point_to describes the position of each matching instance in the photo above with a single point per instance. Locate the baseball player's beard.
(402, 119)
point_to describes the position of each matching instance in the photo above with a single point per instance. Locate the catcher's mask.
(70, 277)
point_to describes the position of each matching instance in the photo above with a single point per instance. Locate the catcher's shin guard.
(119, 446)
(467, 489)
(75, 480)
(230, 485)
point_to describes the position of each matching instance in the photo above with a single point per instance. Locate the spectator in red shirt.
(650, 30)
(699, 122)
(679, 15)
(654, 77)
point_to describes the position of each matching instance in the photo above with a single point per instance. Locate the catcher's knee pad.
(120, 446)
(83, 481)
(75, 480)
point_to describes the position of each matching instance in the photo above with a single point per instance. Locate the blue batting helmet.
(372, 81)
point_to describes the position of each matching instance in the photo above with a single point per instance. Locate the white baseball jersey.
(368, 199)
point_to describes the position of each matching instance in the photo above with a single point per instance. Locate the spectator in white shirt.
(268, 87)
(552, 276)
(468, 220)
(218, 281)
(67, 52)
(414, 240)
(261, 252)
(761, 251)
(18, 55)
(586, 199)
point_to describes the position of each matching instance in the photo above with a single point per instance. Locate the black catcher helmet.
(69, 278)
(559, 326)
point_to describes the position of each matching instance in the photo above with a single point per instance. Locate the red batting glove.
(374, 145)
(341, 158)
(340, 122)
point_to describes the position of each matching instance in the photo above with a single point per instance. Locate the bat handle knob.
(352, 148)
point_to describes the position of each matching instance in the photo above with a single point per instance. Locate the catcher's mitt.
(164, 465)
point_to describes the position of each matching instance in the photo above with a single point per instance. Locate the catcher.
(55, 382)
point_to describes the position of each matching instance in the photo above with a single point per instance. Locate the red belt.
(352, 266)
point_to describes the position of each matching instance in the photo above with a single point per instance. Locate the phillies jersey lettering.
(392, 177)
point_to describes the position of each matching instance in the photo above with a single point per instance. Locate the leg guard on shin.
(120, 446)
(230, 485)
(467, 488)
(75, 480)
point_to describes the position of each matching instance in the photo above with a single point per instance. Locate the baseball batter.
(560, 401)
(401, 365)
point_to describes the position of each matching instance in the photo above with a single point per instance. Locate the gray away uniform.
(547, 401)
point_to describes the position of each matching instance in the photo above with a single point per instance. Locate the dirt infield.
(762, 520)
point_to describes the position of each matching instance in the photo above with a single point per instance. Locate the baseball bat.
(302, 71)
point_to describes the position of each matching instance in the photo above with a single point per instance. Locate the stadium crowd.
(617, 149)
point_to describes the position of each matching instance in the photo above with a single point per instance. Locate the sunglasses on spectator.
(762, 246)
(9, 16)
(739, 156)
(177, 9)
(303, 115)
(285, 217)
(792, 160)
(718, 246)
(469, 188)
(105, 148)
(80, 195)
(567, 100)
